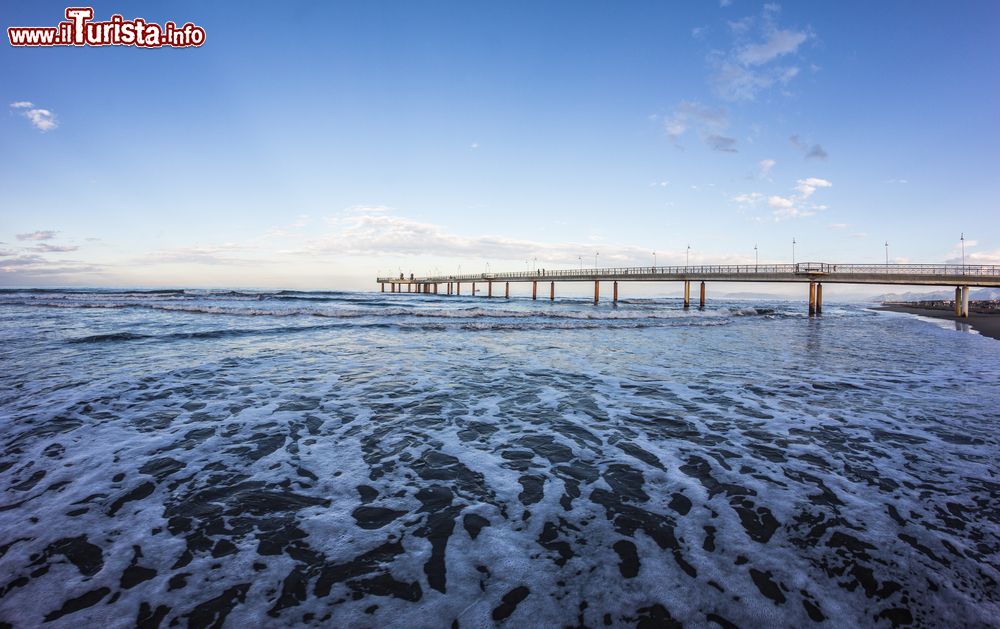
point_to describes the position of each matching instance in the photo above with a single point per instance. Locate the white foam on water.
(745, 458)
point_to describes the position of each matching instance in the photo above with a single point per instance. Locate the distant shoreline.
(985, 324)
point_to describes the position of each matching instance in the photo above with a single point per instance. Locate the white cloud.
(839, 225)
(47, 234)
(748, 198)
(780, 202)
(795, 205)
(474, 145)
(41, 119)
(806, 187)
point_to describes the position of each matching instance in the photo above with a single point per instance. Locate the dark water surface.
(354, 459)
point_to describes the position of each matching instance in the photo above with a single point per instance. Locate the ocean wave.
(473, 312)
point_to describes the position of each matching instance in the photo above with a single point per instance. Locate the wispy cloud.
(813, 151)
(752, 63)
(380, 234)
(721, 143)
(708, 122)
(47, 248)
(764, 167)
(975, 257)
(777, 44)
(200, 254)
(41, 119)
(38, 235)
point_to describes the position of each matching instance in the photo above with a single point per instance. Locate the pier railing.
(801, 271)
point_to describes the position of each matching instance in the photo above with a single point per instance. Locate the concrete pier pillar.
(597, 291)
(701, 298)
(534, 289)
(383, 286)
(687, 293)
(506, 290)
(458, 288)
(473, 289)
(489, 289)
(965, 301)
(435, 288)
(819, 298)
(812, 298)
(958, 301)
(409, 288)
(552, 291)
(614, 297)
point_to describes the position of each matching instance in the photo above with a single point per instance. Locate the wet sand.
(985, 324)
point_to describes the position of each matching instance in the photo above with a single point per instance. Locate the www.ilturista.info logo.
(79, 29)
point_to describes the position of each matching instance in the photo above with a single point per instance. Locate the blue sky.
(312, 145)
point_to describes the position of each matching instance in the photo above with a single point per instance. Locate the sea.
(188, 458)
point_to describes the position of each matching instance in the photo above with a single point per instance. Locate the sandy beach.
(985, 324)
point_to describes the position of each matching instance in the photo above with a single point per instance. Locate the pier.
(815, 274)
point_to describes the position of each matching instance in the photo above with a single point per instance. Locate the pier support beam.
(965, 302)
(458, 288)
(701, 299)
(383, 286)
(597, 291)
(812, 298)
(534, 289)
(552, 291)
(614, 297)
(489, 289)
(506, 290)
(473, 289)
(958, 301)
(819, 298)
(687, 294)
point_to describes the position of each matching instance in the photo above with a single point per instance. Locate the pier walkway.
(815, 274)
